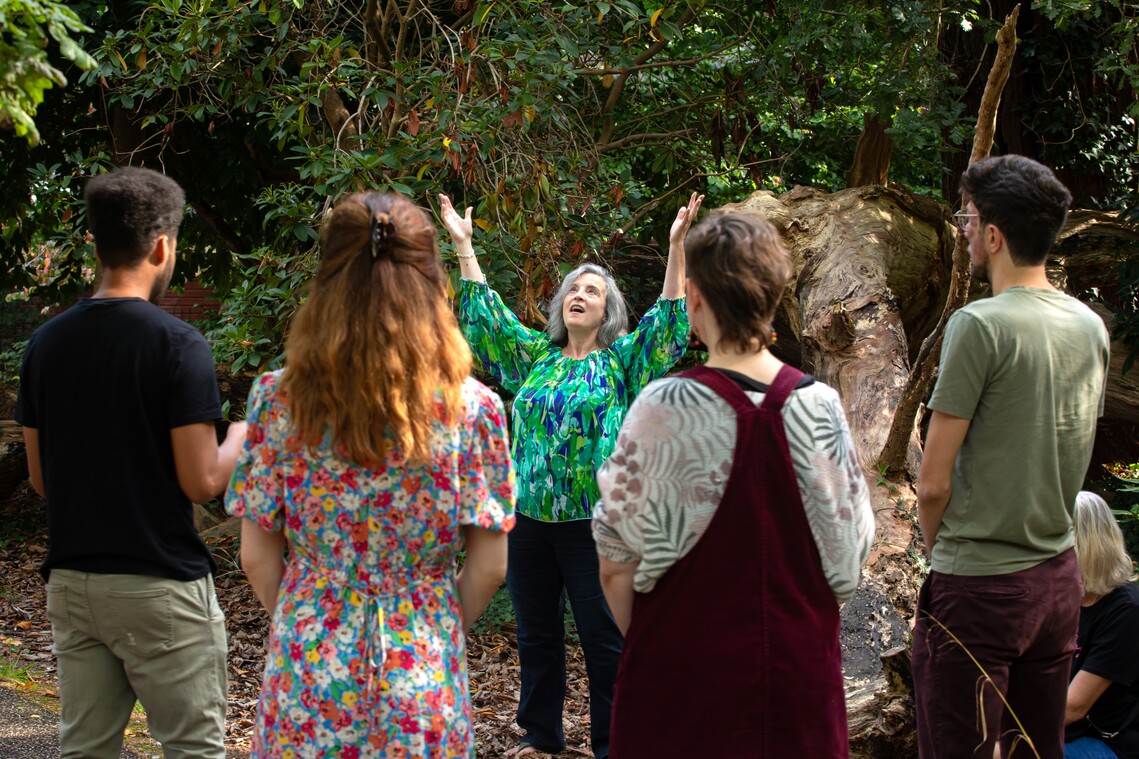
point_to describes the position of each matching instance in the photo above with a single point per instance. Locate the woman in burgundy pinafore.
(734, 652)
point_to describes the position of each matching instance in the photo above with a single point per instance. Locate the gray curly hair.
(614, 325)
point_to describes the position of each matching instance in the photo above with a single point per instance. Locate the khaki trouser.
(122, 637)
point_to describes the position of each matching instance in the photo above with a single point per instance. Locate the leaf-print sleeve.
(658, 342)
(835, 496)
(661, 486)
(504, 347)
(615, 531)
(256, 488)
(486, 475)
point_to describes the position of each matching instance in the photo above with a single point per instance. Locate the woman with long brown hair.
(374, 459)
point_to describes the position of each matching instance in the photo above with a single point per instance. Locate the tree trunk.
(872, 155)
(871, 273)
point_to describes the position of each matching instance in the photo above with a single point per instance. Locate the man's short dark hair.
(127, 210)
(1024, 199)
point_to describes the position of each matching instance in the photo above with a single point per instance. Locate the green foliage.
(575, 130)
(1119, 484)
(1119, 22)
(11, 358)
(13, 671)
(249, 333)
(25, 71)
(50, 248)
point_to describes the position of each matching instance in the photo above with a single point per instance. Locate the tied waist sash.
(369, 591)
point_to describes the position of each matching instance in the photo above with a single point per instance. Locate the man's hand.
(935, 480)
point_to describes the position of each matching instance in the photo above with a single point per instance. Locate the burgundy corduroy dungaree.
(735, 652)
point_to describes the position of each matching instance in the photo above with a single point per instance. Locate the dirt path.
(29, 728)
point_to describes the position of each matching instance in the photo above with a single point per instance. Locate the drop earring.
(694, 341)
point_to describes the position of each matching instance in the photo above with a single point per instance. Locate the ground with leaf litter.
(26, 661)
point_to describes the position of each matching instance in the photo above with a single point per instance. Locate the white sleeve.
(833, 488)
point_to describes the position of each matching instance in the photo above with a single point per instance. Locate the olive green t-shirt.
(1027, 367)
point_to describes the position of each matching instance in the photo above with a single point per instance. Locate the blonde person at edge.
(376, 459)
(1102, 715)
(573, 385)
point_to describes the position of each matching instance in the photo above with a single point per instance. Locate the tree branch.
(375, 46)
(641, 139)
(607, 111)
(657, 64)
(214, 221)
(404, 25)
(893, 456)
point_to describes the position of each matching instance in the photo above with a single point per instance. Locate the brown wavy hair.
(375, 356)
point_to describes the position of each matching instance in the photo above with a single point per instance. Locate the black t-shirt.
(1107, 645)
(103, 384)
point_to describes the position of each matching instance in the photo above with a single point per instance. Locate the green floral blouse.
(566, 412)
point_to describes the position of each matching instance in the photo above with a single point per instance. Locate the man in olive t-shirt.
(1018, 394)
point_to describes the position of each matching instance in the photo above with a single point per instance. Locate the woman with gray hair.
(573, 384)
(1103, 696)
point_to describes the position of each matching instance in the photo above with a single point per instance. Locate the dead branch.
(893, 455)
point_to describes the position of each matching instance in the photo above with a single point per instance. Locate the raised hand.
(684, 218)
(460, 227)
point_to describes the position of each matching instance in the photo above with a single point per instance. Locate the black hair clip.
(382, 231)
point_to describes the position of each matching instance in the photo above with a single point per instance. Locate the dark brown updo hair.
(741, 266)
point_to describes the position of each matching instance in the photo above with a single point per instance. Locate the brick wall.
(19, 318)
(194, 302)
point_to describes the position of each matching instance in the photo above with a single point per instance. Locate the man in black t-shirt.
(118, 401)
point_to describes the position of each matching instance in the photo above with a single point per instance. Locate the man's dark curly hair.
(126, 212)
(1023, 199)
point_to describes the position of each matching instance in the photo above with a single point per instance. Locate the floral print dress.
(366, 654)
(567, 411)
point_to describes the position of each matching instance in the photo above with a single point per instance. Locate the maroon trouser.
(735, 652)
(1021, 629)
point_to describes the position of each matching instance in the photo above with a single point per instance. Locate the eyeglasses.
(963, 217)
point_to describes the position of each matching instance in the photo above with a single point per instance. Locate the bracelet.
(460, 255)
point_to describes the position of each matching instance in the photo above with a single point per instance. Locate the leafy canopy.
(25, 73)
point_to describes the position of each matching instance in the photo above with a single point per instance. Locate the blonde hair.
(375, 357)
(1104, 563)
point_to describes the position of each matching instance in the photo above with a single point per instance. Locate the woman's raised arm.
(674, 274)
(461, 230)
